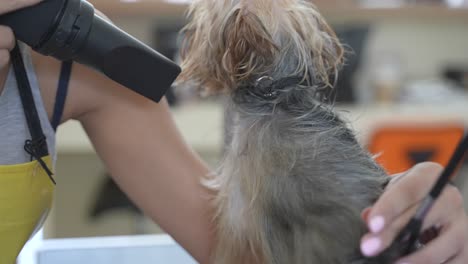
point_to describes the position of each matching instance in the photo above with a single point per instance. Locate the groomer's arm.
(143, 150)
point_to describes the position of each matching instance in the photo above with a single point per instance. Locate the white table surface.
(150, 249)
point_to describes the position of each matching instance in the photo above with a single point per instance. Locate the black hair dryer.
(70, 30)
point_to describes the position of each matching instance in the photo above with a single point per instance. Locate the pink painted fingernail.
(376, 224)
(370, 246)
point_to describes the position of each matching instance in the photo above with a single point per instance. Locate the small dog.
(294, 180)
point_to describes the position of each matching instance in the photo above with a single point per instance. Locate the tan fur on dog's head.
(232, 42)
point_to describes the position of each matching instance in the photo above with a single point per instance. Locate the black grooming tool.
(407, 240)
(71, 30)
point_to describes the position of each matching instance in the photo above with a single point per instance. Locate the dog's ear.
(249, 48)
(329, 55)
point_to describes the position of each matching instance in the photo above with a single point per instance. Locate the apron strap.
(37, 146)
(61, 96)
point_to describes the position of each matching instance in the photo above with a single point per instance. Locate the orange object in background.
(401, 147)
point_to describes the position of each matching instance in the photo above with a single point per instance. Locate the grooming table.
(154, 249)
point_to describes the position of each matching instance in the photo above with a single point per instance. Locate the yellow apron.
(26, 194)
(26, 190)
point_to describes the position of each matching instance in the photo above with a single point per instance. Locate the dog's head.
(230, 43)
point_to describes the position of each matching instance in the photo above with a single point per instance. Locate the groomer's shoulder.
(88, 91)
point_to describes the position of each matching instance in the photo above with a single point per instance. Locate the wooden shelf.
(333, 11)
(116, 8)
(414, 12)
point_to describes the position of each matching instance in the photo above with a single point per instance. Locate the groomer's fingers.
(445, 211)
(462, 258)
(450, 244)
(7, 39)
(403, 194)
(4, 58)
(7, 42)
(11, 5)
(396, 178)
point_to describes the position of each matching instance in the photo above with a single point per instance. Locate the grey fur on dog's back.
(313, 178)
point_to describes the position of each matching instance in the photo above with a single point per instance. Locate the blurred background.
(404, 90)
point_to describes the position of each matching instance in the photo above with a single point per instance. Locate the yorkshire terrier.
(294, 179)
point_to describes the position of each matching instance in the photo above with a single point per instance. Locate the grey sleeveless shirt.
(13, 127)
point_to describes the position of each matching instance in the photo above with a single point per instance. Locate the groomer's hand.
(7, 39)
(447, 240)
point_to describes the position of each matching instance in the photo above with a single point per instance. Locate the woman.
(158, 182)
